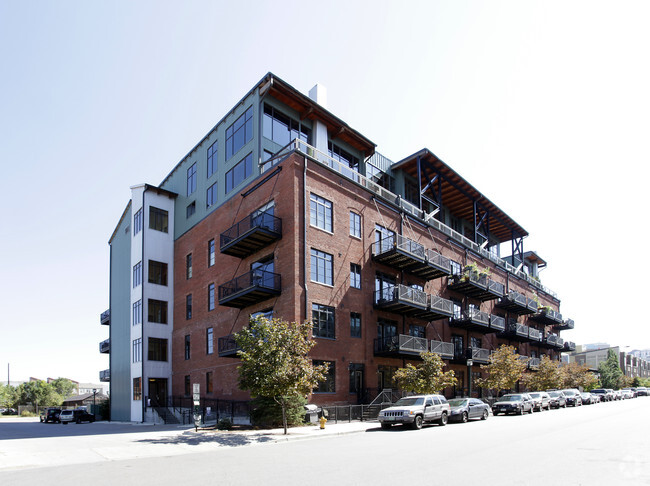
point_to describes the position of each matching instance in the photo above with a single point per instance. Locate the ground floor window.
(137, 388)
(329, 385)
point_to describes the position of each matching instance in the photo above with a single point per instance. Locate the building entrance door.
(158, 391)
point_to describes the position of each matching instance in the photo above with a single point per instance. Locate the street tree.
(7, 396)
(64, 387)
(427, 377)
(505, 368)
(38, 393)
(610, 371)
(275, 362)
(548, 375)
(575, 375)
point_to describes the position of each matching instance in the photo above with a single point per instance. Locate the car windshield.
(535, 395)
(569, 392)
(458, 402)
(554, 394)
(66, 412)
(409, 401)
(510, 398)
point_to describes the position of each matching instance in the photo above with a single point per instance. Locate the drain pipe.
(304, 236)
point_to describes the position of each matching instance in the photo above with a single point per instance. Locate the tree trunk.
(284, 415)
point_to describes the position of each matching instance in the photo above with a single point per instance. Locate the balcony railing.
(105, 317)
(445, 350)
(472, 318)
(564, 325)
(479, 355)
(405, 254)
(497, 323)
(533, 363)
(105, 346)
(254, 232)
(516, 330)
(440, 265)
(569, 346)
(516, 303)
(227, 346)
(438, 308)
(401, 299)
(472, 284)
(550, 341)
(344, 169)
(250, 288)
(401, 345)
(546, 315)
(495, 289)
(105, 375)
(560, 343)
(534, 335)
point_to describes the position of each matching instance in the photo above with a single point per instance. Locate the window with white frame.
(322, 265)
(320, 212)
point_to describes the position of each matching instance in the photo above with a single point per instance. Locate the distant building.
(89, 387)
(631, 365)
(84, 400)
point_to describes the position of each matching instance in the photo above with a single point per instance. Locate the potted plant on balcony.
(471, 269)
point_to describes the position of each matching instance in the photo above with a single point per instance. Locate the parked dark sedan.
(557, 399)
(51, 415)
(463, 409)
(518, 403)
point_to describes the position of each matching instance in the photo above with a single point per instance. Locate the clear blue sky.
(543, 106)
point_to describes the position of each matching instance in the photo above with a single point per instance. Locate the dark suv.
(78, 415)
(51, 415)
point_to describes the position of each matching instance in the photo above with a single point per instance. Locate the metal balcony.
(497, 323)
(495, 290)
(445, 350)
(535, 335)
(564, 325)
(516, 303)
(477, 355)
(105, 317)
(250, 288)
(516, 331)
(401, 299)
(569, 346)
(546, 315)
(254, 232)
(471, 284)
(404, 254)
(438, 308)
(227, 346)
(560, 343)
(438, 265)
(402, 345)
(105, 346)
(105, 375)
(472, 319)
(533, 364)
(550, 341)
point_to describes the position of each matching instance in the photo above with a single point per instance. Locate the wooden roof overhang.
(458, 195)
(309, 109)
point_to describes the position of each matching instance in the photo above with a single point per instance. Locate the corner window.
(137, 222)
(209, 340)
(281, 129)
(191, 179)
(137, 274)
(190, 209)
(320, 212)
(137, 350)
(322, 317)
(239, 173)
(137, 388)
(239, 133)
(322, 265)
(137, 312)
(158, 219)
(212, 159)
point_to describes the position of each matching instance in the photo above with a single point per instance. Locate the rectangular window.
(157, 272)
(239, 133)
(320, 212)
(190, 209)
(322, 265)
(137, 312)
(211, 195)
(188, 266)
(137, 222)
(188, 386)
(239, 172)
(188, 306)
(208, 382)
(281, 129)
(137, 388)
(211, 297)
(210, 253)
(137, 274)
(187, 346)
(212, 159)
(157, 311)
(209, 340)
(329, 385)
(137, 350)
(384, 239)
(355, 276)
(322, 317)
(456, 268)
(191, 179)
(158, 219)
(417, 331)
(157, 349)
(355, 224)
(355, 324)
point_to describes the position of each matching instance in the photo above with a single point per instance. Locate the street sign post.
(196, 398)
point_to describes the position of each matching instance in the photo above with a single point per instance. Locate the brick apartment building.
(286, 211)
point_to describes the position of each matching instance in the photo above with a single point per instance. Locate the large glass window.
(191, 179)
(212, 159)
(329, 385)
(323, 319)
(209, 340)
(137, 274)
(282, 129)
(349, 163)
(322, 265)
(137, 222)
(137, 388)
(355, 276)
(137, 312)
(384, 239)
(355, 224)
(211, 297)
(190, 209)
(320, 212)
(158, 219)
(239, 133)
(157, 311)
(137, 350)
(355, 324)
(238, 173)
(157, 349)
(211, 195)
(157, 272)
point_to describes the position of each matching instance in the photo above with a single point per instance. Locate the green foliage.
(224, 424)
(575, 375)
(64, 387)
(427, 377)
(610, 371)
(27, 413)
(266, 412)
(504, 369)
(104, 410)
(274, 361)
(8, 396)
(547, 377)
(37, 393)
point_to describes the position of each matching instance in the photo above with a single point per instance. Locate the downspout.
(304, 236)
(110, 329)
(142, 381)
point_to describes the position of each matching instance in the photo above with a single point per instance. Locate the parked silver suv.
(416, 410)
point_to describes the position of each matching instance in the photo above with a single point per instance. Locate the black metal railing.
(401, 293)
(445, 350)
(401, 344)
(227, 346)
(105, 317)
(254, 221)
(105, 346)
(255, 279)
(497, 323)
(105, 375)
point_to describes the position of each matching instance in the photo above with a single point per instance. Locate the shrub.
(266, 412)
(224, 424)
(27, 413)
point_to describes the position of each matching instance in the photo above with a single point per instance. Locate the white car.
(66, 416)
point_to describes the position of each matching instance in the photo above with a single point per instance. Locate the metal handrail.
(496, 287)
(105, 375)
(438, 259)
(400, 292)
(254, 220)
(516, 298)
(441, 305)
(401, 342)
(480, 354)
(411, 247)
(442, 348)
(497, 322)
(255, 278)
(227, 344)
(534, 334)
(474, 314)
(105, 345)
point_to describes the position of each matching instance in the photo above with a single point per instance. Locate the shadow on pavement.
(38, 430)
(222, 438)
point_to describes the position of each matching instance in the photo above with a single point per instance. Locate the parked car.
(51, 415)
(541, 401)
(573, 397)
(518, 403)
(463, 409)
(602, 394)
(641, 391)
(627, 393)
(558, 400)
(78, 415)
(618, 395)
(587, 398)
(611, 394)
(416, 410)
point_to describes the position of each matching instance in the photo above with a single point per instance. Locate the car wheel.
(385, 426)
(520, 411)
(464, 418)
(485, 415)
(495, 413)
(417, 423)
(65, 423)
(443, 419)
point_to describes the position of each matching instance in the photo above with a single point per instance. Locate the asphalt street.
(607, 443)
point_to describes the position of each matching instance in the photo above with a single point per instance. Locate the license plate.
(390, 419)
